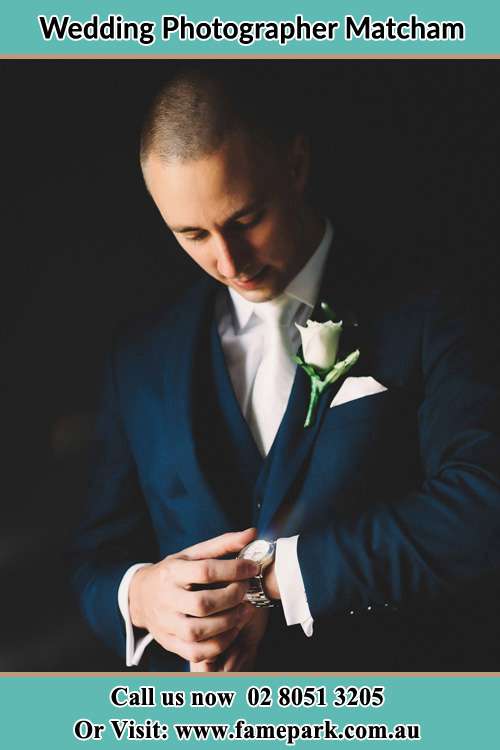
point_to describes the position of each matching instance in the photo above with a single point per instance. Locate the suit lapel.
(183, 366)
(237, 426)
(288, 458)
(230, 458)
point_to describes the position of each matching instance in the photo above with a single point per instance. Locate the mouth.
(253, 281)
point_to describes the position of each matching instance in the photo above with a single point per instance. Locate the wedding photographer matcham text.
(115, 28)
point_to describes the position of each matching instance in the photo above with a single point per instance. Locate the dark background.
(406, 158)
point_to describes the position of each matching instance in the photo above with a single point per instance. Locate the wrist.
(135, 608)
(270, 582)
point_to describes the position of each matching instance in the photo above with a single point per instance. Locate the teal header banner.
(247, 29)
(287, 711)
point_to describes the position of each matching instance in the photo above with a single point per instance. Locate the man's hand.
(195, 624)
(241, 654)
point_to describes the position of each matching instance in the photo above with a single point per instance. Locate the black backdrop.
(406, 157)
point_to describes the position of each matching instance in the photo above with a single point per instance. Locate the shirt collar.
(304, 287)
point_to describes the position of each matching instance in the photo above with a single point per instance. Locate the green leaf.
(352, 358)
(341, 368)
(333, 375)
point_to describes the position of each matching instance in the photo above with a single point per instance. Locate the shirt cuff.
(133, 650)
(291, 585)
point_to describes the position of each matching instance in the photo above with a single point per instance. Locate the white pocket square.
(353, 388)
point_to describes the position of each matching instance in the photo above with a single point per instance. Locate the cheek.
(278, 242)
(270, 240)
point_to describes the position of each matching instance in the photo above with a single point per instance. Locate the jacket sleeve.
(116, 531)
(446, 532)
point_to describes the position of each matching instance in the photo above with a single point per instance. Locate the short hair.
(200, 106)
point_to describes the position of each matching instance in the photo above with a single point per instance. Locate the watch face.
(259, 551)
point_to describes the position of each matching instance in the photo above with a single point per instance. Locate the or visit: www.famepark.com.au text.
(291, 733)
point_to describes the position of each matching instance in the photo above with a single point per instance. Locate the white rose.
(320, 343)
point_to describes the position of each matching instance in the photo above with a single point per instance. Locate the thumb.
(220, 545)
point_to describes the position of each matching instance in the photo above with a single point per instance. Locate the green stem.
(313, 401)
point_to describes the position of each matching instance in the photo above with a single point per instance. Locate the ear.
(298, 162)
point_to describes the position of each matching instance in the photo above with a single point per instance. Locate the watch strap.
(256, 594)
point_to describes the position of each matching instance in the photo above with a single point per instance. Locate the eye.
(198, 237)
(246, 222)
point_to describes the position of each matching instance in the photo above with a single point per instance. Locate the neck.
(312, 229)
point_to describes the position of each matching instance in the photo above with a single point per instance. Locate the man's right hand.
(195, 624)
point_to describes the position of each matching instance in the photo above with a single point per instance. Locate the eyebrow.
(248, 209)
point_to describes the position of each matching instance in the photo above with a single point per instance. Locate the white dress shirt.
(241, 335)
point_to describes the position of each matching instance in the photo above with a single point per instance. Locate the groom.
(374, 522)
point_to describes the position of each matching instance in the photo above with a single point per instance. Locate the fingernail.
(253, 568)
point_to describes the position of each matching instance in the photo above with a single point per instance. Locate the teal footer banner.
(282, 711)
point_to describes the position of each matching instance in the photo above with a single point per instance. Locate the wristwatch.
(262, 552)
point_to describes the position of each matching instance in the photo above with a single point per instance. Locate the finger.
(232, 656)
(188, 572)
(245, 661)
(220, 545)
(238, 658)
(194, 629)
(201, 628)
(207, 650)
(210, 601)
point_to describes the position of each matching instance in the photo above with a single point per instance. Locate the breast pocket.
(368, 450)
(378, 407)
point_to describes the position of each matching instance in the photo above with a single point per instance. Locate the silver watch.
(262, 552)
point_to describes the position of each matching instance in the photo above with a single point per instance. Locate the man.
(384, 511)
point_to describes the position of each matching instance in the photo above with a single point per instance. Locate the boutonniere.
(320, 344)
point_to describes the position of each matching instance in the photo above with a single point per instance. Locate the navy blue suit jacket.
(396, 496)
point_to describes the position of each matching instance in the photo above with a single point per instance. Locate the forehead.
(202, 191)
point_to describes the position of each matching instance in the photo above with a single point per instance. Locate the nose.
(227, 258)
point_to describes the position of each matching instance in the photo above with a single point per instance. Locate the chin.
(258, 295)
(262, 288)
